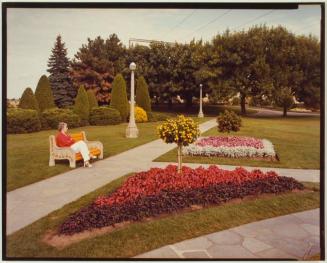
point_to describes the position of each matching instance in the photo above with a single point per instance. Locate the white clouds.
(32, 32)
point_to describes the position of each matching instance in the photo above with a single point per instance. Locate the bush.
(140, 115)
(151, 117)
(51, 117)
(81, 107)
(92, 99)
(119, 97)
(104, 116)
(43, 94)
(142, 95)
(22, 121)
(160, 116)
(229, 121)
(28, 100)
(236, 101)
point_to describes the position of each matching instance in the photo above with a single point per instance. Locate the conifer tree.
(119, 99)
(92, 99)
(58, 67)
(142, 94)
(81, 107)
(43, 94)
(28, 100)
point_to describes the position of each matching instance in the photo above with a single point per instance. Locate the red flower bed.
(159, 191)
(155, 180)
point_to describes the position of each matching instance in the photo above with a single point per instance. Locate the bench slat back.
(78, 136)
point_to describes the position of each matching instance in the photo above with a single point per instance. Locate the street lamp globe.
(132, 66)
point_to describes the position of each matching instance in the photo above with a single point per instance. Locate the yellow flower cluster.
(140, 115)
(181, 130)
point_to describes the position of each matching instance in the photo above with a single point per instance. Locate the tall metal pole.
(200, 111)
(132, 131)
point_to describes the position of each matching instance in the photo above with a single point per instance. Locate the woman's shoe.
(87, 164)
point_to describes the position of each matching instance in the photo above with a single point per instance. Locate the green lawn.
(28, 154)
(296, 140)
(143, 236)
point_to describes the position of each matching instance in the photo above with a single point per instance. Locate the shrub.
(51, 117)
(140, 115)
(43, 94)
(28, 100)
(229, 121)
(81, 107)
(142, 94)
(151, 117)
(92, 100)
(236, 101)
(161, 116)
(104, 116)
(22, 121)
(119, 97)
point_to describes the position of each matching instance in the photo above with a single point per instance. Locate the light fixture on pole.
(200, 115)
(132, 131)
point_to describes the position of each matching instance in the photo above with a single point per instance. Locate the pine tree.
(142, 94)
(61, 84)
(119, 99)
(92, 99)
(43, 94)
(81, 107)
(28, 100)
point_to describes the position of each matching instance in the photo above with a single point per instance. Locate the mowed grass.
(296, 141)
(144, 236)
(28, 154)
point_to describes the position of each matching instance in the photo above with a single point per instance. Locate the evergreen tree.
(81, 107)
(43, 94)
(142, 94)
(28, 100)
(92, 99)
(61, 84)
(119, 96)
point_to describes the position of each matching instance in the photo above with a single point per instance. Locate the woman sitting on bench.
(64, 140)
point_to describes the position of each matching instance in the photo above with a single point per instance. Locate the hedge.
(104, 115)
(51, 117)
(22, 121)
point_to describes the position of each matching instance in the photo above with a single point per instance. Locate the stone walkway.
(30, 203)
(294, 236)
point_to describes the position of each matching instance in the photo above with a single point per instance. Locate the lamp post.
(132, 131)
(200, 115)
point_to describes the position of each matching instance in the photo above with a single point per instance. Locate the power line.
(185, 18)
(263, 15)
(308, 26)
(210, 22)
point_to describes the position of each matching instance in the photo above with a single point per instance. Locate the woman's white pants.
(81, 147)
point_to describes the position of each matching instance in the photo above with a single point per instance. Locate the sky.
(32, 32)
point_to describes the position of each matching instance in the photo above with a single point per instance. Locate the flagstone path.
(294, 236)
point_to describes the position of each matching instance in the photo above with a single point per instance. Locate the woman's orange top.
(64, 140)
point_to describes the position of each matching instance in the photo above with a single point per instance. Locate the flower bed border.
(267, 152)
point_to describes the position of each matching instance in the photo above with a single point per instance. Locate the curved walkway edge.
(293, 236)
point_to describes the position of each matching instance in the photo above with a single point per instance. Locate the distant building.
(12, 103)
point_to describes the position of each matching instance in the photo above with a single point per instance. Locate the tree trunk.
(188, 98)
(243, 109)
(179, 157)
(284, 111)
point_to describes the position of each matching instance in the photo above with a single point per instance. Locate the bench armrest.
(94, 144)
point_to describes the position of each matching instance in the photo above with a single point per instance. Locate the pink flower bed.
(230, 141)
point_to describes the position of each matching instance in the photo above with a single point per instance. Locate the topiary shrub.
(28, 100)
(43, 94)
(81, 107)
(119, 97)
(22, 121)
(92, 100)
(104, 116)
(229, 121)
(142, 94)
(140, 115)
(51, 117)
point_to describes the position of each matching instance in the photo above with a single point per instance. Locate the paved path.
(30, 203)
(303, 175)
(294, 236)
